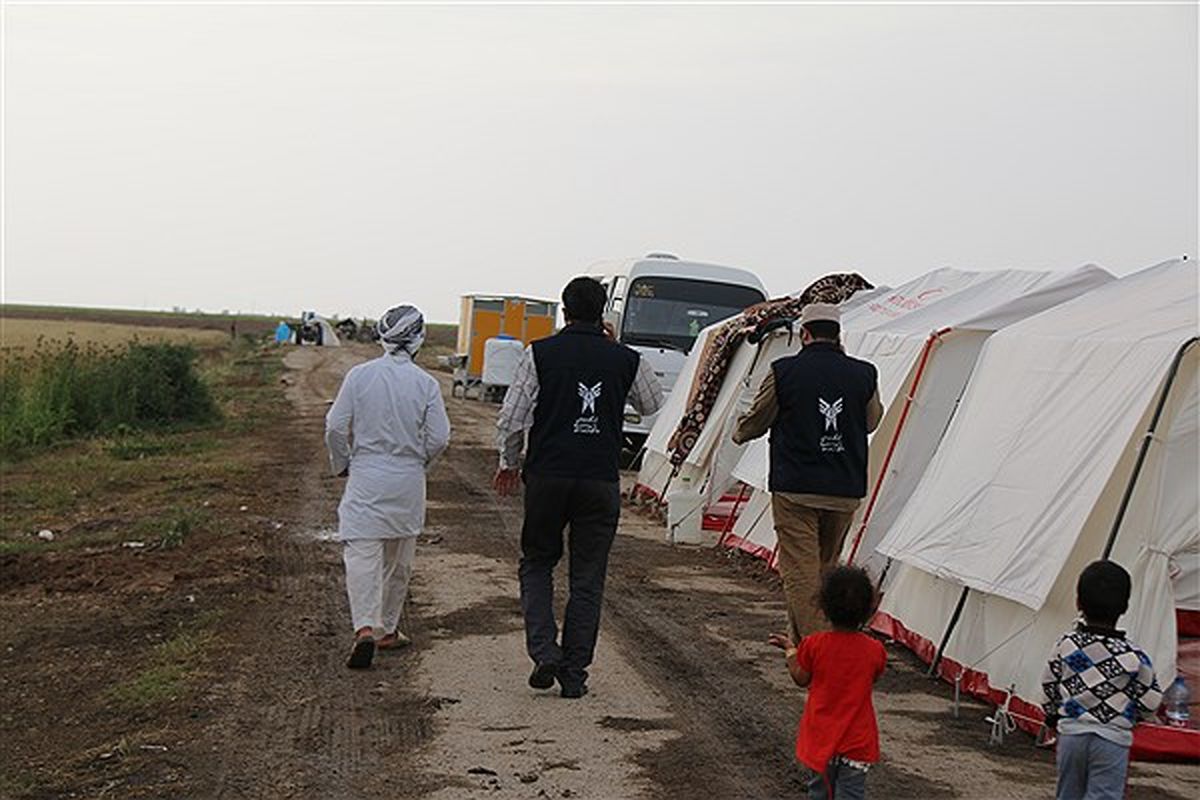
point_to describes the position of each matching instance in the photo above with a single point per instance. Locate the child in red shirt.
(838, 737)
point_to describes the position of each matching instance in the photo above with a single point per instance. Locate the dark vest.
(583, 378)
(819, 438)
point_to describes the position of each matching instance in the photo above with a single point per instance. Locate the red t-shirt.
(839, 717)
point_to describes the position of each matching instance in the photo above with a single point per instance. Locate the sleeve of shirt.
(437, 424)
(337, 427)
(646, 395)
(874, 411)
(1052, 685)
(758, 420)
(1149, 694)
(804, 654)
(516, 415)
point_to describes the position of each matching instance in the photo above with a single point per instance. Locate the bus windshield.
(671, 312)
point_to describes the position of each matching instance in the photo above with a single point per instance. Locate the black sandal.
(362, 653)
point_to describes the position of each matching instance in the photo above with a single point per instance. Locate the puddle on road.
(322, 535)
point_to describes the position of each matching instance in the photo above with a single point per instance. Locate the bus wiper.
(650, 341)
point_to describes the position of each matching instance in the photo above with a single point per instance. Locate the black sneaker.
(574, 692)
(543, 676)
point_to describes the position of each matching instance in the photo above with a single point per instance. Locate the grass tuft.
(172, 665)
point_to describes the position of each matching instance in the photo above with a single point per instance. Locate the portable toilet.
(488, 316)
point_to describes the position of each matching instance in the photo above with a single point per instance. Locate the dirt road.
(687, 700)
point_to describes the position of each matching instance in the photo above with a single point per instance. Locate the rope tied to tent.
(1010, 637)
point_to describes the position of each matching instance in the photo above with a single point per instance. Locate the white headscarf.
(401, 329)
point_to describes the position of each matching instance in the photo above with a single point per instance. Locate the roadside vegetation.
(59, 392)
(129, 525)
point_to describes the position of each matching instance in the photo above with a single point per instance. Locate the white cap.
(820, 312)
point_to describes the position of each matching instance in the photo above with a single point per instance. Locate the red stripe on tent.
(1187, 623)
(1150, 742)
(757, 550)
(721, 516)
(715, 522)
(642, 490)
(742, 495)
(933, 339)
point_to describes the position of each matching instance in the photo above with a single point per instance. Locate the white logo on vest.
(831, 442)
(588, 421)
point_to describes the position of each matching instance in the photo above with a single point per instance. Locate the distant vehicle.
(351, 330)
(315, 329)
(659, 304)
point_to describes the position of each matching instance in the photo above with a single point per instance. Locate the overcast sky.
(348, 157)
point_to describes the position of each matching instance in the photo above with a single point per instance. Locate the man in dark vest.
(819, 406)
(569, 392)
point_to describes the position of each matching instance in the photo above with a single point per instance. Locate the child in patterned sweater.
(1098, 685)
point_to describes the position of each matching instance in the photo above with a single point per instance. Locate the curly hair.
(847, 597)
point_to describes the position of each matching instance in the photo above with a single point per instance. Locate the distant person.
(838, 737)
(569, 391)
(385, 428)
(819, 406)
(1098, 684)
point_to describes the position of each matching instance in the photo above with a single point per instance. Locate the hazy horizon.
(344, 158)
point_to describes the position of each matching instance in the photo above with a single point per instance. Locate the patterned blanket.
(714, 360)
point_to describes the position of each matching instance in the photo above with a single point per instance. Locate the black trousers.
(590, 511)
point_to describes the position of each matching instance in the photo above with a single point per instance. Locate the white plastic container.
(500, 360)
(685, 514)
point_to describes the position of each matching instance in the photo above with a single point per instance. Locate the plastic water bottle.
(1175, 703)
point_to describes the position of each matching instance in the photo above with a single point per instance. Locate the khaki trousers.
(810, 541)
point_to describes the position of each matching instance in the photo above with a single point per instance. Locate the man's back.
(819, 438)
(583, 380)
(390, 398)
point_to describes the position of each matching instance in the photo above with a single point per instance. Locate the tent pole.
(933, 339)
(958, 609)
(887, 566)
(1145, 446)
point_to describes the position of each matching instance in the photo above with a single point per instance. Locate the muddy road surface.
(686, 698)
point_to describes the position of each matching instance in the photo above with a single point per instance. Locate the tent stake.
(1145, 446)
(958, 609)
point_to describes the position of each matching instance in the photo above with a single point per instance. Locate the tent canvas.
(999, 521)
(1074, 387)
(912, 427)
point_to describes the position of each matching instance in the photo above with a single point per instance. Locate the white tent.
(913, 424)
(931, 328)
(1030, 479)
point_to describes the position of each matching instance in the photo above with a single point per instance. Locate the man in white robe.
(385, 428)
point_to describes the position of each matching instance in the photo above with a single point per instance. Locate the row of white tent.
(1035, 421)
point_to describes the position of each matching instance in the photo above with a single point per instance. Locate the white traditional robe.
(387, 425)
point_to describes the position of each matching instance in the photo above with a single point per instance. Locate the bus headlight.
(633, 417)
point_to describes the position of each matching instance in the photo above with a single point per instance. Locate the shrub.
(57, 393)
